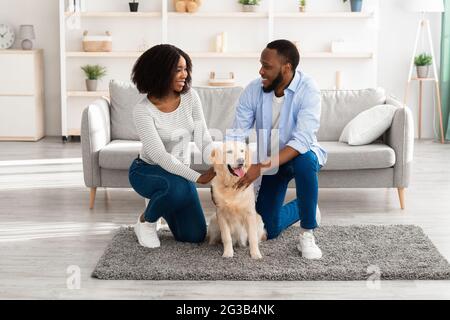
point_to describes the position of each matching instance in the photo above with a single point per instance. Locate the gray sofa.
(110, 143)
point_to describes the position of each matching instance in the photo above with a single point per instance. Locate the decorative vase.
(422, 71)
(249, 7)
(27, 44)
(91, 85)
(356, 5)
(192, 7)
(180, 6)
(302, 8)
(134, 6)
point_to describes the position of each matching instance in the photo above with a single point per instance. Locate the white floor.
(48, 234)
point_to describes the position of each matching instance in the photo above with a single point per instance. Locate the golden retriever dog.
(236, 221)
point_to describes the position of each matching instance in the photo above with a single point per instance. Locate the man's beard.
(275, 83)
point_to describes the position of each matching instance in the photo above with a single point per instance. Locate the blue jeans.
(277, 217)
(172, 197)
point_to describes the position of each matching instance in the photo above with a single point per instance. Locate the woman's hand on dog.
(207, 176)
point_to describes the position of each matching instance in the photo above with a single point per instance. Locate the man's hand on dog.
(252, 174)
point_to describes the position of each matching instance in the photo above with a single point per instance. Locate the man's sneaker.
(308, 247)
(146, 234)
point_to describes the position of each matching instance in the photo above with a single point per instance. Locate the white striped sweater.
(165, 136)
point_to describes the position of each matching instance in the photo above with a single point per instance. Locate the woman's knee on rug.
(194, 232)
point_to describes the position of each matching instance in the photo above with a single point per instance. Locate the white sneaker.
(146, 234)
(161, 224)
(308, 247)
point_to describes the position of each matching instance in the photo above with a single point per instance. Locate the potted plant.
(249, 5)
(422, 62)
(93, 73)
(355, 5)
(302, 5)
(134, 6)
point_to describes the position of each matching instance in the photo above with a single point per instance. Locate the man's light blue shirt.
(299, 117)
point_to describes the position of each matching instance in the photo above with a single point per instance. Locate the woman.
(166, 120)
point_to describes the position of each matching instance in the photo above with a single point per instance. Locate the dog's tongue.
(239, 171)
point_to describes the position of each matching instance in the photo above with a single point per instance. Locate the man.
(284, 101)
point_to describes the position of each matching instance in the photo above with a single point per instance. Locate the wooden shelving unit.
(164, 18)
(218, 55)
(112, 14)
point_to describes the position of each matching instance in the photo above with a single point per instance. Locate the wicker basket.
(97, 43)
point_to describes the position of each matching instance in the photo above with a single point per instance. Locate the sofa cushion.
(342, 156)
(339, 107)
(119, 154)
(367, 126)
(219, 105)
(124, 96)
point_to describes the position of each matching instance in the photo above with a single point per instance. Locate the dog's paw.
(256, 255)
(228, 254)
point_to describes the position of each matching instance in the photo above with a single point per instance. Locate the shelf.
(16, 94)
(88, 94)
(113, 54)
(319, 15)
(19, 51)
(231, 55)
(218, 55)
(245, 15)
(337, 55)
(423, 79)
(257, 15)
(112, 14)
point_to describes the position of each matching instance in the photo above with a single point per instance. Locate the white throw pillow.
(367, 126)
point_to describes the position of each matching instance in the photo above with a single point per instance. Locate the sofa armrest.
(400, 137)
(95, 134)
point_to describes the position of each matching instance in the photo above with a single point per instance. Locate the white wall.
(397, 29)
(43, 14)
(396, 43)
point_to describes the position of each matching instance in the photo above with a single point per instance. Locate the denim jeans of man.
(277, 217)
(172, 197)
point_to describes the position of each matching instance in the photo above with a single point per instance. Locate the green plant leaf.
(94, 72)
(423, 60)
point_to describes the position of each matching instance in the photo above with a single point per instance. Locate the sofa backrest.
(341, 106)
(219, 104)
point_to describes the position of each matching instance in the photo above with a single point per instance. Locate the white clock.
(7, 36)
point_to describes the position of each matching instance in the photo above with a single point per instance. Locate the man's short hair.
(287, 50)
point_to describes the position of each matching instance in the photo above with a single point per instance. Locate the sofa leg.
(92, 197)
(401, 196)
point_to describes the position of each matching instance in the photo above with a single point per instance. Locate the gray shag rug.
(357, 252)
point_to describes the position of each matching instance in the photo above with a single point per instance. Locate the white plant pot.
(249, 8)
(91, 85)
(422, 71)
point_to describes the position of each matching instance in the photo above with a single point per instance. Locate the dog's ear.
(214, 155)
